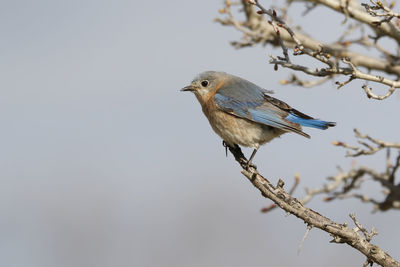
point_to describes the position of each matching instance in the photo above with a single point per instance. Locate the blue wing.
(246, 100)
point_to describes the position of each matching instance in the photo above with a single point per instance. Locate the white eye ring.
(205, 83)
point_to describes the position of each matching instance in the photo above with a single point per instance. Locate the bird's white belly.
(240, 131)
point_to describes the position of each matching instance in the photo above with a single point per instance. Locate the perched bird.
(242, 113)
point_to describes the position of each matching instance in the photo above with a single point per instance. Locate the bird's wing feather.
(282, 105)
(247, 100)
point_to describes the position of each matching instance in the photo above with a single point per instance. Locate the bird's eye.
(204, 83)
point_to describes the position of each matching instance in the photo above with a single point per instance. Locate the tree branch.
(366, 149)
(355, 12)
(341, 233)
(257, 30)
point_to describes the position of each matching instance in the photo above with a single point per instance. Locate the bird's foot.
(249, 165)
(238, 154)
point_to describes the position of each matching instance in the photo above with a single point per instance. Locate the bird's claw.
(224, 144)
(247, 165)
(250, 164)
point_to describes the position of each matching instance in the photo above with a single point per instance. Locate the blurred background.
(105, 163)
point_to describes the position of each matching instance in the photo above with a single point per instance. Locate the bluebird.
(242, 113)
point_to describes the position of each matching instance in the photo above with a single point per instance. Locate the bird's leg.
(251, 158)
(238, 154)
(226, 147)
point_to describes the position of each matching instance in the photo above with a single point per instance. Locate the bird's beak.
(189, 88)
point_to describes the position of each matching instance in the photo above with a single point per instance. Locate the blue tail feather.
(314, 123)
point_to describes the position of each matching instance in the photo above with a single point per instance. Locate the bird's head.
(206, 84)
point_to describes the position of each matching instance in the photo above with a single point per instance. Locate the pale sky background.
(105, 163)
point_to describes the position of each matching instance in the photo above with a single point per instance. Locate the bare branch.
(386, 12)
(368, 235)
(344, 183)
(257, 30)
(309, 227)
(355, 12)
(369, 93)
(364, 76)
(341, 233)
(294, 80)
(368, 150)
(291, 191)
(394, 168)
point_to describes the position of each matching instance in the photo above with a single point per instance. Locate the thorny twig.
(341, 233)
(309, 227)
(368, 235)
(291, 191)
